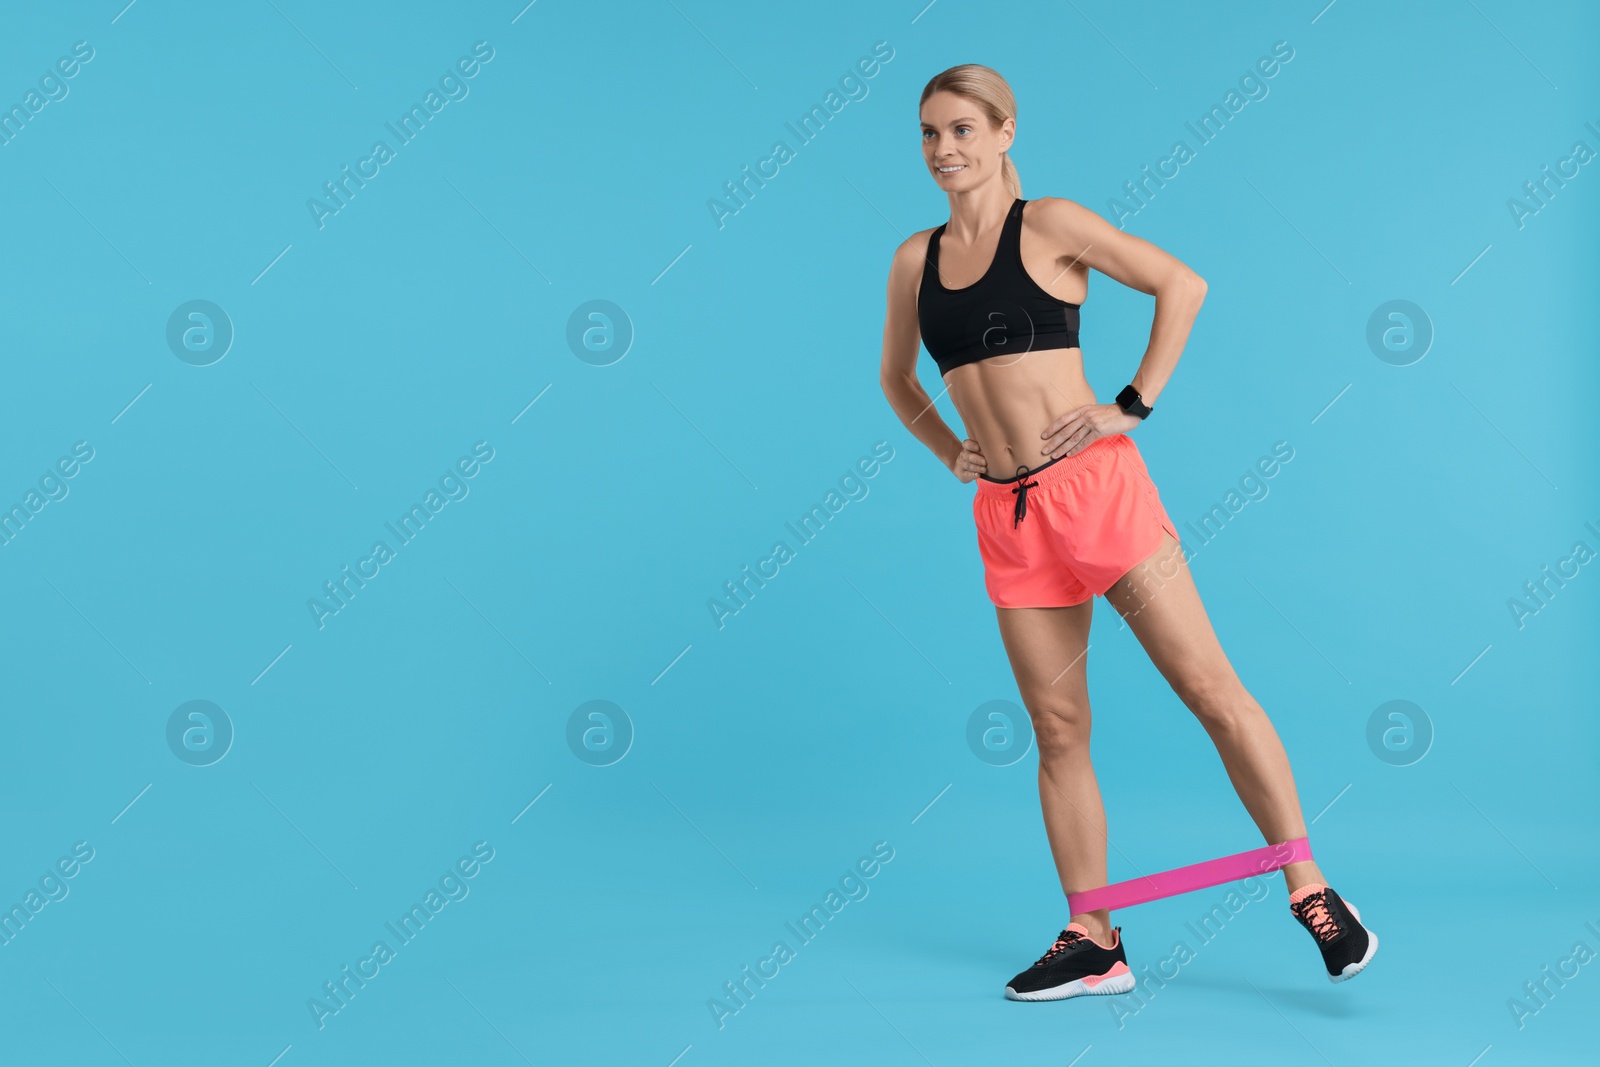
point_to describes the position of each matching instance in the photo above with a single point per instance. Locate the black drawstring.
(1021, 492)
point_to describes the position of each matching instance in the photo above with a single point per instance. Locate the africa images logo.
(453, 485)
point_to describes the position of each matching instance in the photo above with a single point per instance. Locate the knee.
(1217, 700)
(1061, 728)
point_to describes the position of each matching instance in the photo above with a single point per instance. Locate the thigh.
(1048, 649)
(1110, 515)
(1160, 603)
(1021, 567)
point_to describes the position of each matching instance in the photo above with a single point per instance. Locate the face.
(960, 147)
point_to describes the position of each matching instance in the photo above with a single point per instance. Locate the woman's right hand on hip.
(969, 462)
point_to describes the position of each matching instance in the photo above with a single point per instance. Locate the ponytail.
(1008, 170)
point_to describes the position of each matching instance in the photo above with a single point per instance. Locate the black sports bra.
(1005, 312)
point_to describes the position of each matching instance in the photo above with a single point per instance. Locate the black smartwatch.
(1128, 400)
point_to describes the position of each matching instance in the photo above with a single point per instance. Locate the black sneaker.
(1347, 946)
(1076, 964)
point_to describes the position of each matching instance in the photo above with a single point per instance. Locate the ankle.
(1298, 875)
(1099, 926)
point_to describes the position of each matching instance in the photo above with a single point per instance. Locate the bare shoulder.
(915, 247)
(1068, 228)
(911, 255)
(1065, 223)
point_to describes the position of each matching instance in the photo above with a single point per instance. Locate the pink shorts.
(1082, 522)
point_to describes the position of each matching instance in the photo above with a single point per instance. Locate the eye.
(963, 127)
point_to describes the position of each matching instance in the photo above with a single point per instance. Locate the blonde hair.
(988, 90)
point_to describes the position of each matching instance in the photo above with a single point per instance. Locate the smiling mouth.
(952, 170)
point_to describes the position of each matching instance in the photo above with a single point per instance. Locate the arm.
(1179, 291)
(897, 374)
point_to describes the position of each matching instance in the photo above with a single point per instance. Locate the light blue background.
(770, 754)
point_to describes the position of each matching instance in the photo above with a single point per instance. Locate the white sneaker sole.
(1121, 983)
(1353, 969)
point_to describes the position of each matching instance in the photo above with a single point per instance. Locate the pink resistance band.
(1187, 879)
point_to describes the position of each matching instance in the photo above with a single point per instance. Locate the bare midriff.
(1007, 402)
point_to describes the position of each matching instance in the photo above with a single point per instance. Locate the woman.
(1065, 509)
